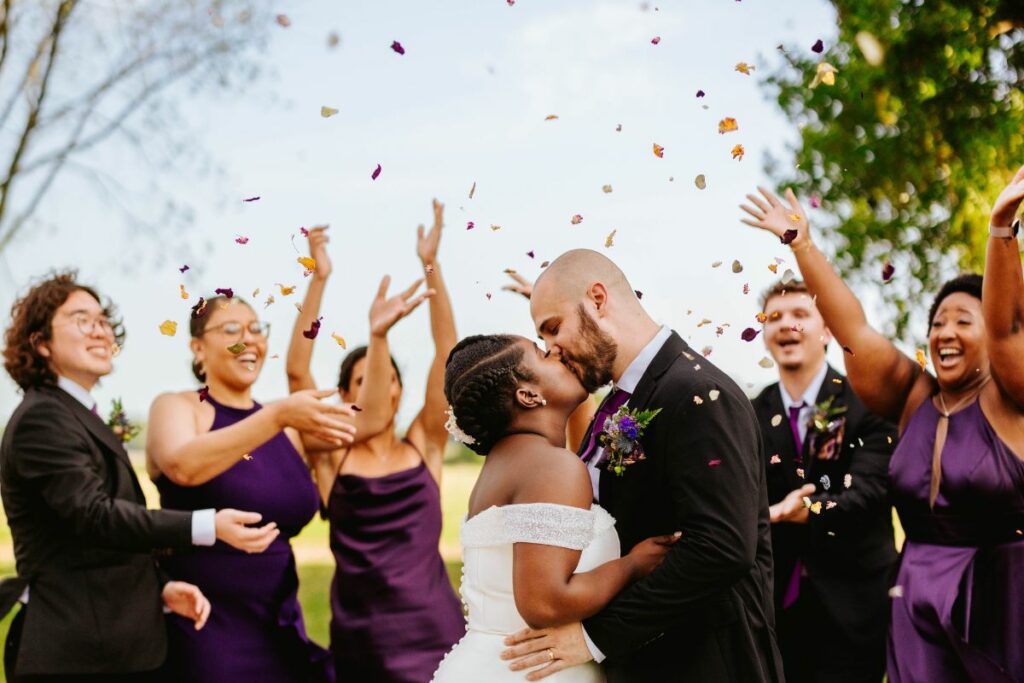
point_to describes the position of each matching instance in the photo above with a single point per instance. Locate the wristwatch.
(1005, 233)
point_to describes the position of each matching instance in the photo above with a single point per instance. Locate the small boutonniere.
(620, 437)
(118, 421)
(825, 415)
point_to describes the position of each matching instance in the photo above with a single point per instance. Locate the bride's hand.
(647, 555)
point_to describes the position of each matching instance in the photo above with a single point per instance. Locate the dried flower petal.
(716, 264)
(472, 190)
(199, 309)
(700, 181)
(776, 420)
(659, 151)
(183, 268)
(700, 93)
(270, 300)
(609, 241)
(225, 291)
(789, 236)
(283, 21)
(815, 201)
(749, 334)
(766, 363)
(376, 173)
(655, 40)
(887, 271)
(397, 47)
(727, 125)
(775, 459)
(745, 68)
(606, 189)
(826, 74)
(737, 267)
(333, 39)
(338, 338)
(181, 289)
(698, 400)
(314, 329)
(251, 199)
(639, 294)
(922, 360)
(204, 392)
(738, 152)
(714, 394)
(714, 463)
(818, 46)
(530, 254)
(237, 348)
(308, 263)
(242, 239)
(328, 112)
(168, 328)
(285, 291)
(551, 117)
(470, 225)
(577, 219)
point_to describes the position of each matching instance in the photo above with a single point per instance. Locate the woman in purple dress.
(219, 448)
(394, 614)
(957, 475)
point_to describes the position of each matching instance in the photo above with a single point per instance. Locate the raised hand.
(233, 528)
(427, 244)
(521, 286)
(318, 240)
(1008, 201)
(186, 600)
(777, 218)
(385, 312)
(305, 411)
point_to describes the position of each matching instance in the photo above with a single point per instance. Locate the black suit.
(836, 630)
(706, 613)
(82, 542)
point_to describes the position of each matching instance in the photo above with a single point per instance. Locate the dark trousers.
(836, 630)
(11, 657)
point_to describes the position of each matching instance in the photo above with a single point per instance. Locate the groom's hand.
(792, 507)
(552, 649)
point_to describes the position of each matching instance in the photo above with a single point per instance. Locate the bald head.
(571, 275)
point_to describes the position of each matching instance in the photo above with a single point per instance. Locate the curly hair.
(968, 283)
(480, 381)
(32, 324)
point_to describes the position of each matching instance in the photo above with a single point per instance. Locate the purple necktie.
(611, 404)
(793, 587)
(94, 411)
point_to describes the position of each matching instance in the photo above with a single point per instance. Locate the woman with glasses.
(218, 447)
(394, 614)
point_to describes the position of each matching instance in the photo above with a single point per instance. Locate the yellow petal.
(328, 112)
(728, 125)
(285, 291)
(307, 263)
(338, 338)
(184, 294)
(168, 328)
(609, 241)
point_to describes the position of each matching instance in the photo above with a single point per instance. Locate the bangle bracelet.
(804, 245)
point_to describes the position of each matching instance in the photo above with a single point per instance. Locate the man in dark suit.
(827, 461)
(90, 589)
(706, 613)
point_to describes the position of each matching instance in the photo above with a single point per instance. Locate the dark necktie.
(616, 399)
(794, 426)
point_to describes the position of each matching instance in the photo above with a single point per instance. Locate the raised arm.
(869, 355)
(1002, 300)
(176, 448)
(546, 589)
(300, 348)
(427, 431)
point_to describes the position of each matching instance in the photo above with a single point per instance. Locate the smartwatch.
(1005, 233)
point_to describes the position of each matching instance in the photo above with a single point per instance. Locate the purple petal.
(397, 47)
(789, 236)
(749, 334)
(376, 172)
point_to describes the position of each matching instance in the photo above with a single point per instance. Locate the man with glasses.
(90, 589)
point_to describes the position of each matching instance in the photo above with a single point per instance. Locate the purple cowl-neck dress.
(394, 614)
(958, 606)
(255, 631)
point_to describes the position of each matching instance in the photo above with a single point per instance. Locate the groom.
(706, 613)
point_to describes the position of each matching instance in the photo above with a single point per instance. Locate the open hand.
(233, 528)
(318, 239)
(187, 600)
(385, 312)
(788, 223)
(521, 286)
(427, 244)
(1008, 201)
(552, 649)
(306, 411)
(792, 508)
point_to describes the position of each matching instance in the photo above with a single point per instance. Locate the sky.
(467, 103)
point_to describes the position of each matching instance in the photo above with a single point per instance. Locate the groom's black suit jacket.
(82, 542)
(706, 613)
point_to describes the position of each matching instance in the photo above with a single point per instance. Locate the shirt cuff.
(204, 527)
(594, 652)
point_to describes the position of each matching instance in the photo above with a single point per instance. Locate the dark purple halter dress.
(394, 614)
(255, 631)
(958, 612)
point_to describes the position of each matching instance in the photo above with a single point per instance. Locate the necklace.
(941, 430)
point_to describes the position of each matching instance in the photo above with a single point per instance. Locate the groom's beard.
(598, 351)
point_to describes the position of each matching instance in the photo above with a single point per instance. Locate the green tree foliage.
(907, 150)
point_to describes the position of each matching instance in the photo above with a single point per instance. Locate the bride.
(536, 552)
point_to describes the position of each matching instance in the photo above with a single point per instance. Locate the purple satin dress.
(394, 614)
(255, 631)
(958, 611)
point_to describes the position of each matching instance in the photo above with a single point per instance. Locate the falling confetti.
(237, 348)
(659, 151)
(204, 392)
(314, 329)
(816, 507)
(183, 268)
(609, 241)
(766, 363)
(495, 227)
(242, 240)
(700, 93)
(328, 112)
(639, 294)
(283, 21)
(738, 152)
(775, 459)
(746, 288)
(472, 190)
(697, 400)
(551, 117)
(607, 189)
(397, 47)
(181, 290)
(251, 199)
(333, 39)
(655, 40)
(376, 172)
(749, 334)
(887, 271)
(745, 68)
(618, 128)
(270, 300)
(285, 291)
(789, 236)
(308, 263)
(199, 309)
(737, 267)
(714, 394)
(815, 201)
(727, 125)
(922, 360)
(818, 46)
(576, 219)
(225, 291)
(714, 463)
(716, 264)
(700, 181)
(470, 225)
(776, 420)
(788, 276)
(826, 74)
(774, 267)
(168, 328)
(338, 338)
(530, 254)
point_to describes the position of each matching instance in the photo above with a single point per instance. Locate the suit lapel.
(829, 388)
(92, 422)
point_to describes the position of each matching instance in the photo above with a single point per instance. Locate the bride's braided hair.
(480, 380)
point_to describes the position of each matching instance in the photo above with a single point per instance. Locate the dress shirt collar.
(631, 377)
(810, 396)
(80, 393)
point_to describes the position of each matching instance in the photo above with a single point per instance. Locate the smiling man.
(827, 471)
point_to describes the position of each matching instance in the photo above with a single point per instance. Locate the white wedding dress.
(487, 541)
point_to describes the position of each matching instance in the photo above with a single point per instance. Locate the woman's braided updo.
(480, 381)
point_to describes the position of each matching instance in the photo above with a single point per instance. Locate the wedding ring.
(551, 655)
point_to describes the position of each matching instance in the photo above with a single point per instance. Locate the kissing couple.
(644, 557)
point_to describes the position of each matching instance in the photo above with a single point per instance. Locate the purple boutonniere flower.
(620, 437)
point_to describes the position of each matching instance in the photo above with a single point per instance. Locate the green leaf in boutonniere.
(118, 421)
(825, 413)
(620, 437)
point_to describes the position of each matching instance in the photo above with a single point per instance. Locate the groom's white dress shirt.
(806, 402)
(630, 378)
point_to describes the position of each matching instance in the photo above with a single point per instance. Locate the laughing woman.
(393, 612)
(957, 474)
(218, 447)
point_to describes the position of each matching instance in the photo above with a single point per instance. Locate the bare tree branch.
(4, 26)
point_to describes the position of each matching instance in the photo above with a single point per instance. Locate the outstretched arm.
(869, 355)
(427, 431)
(1002, 300)
(300, 349)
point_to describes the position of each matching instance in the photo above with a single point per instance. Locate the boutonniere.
(826, 429)
(620, 437)
(118, 421)
(825, 415)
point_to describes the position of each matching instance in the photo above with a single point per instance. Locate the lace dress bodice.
(487, 541)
